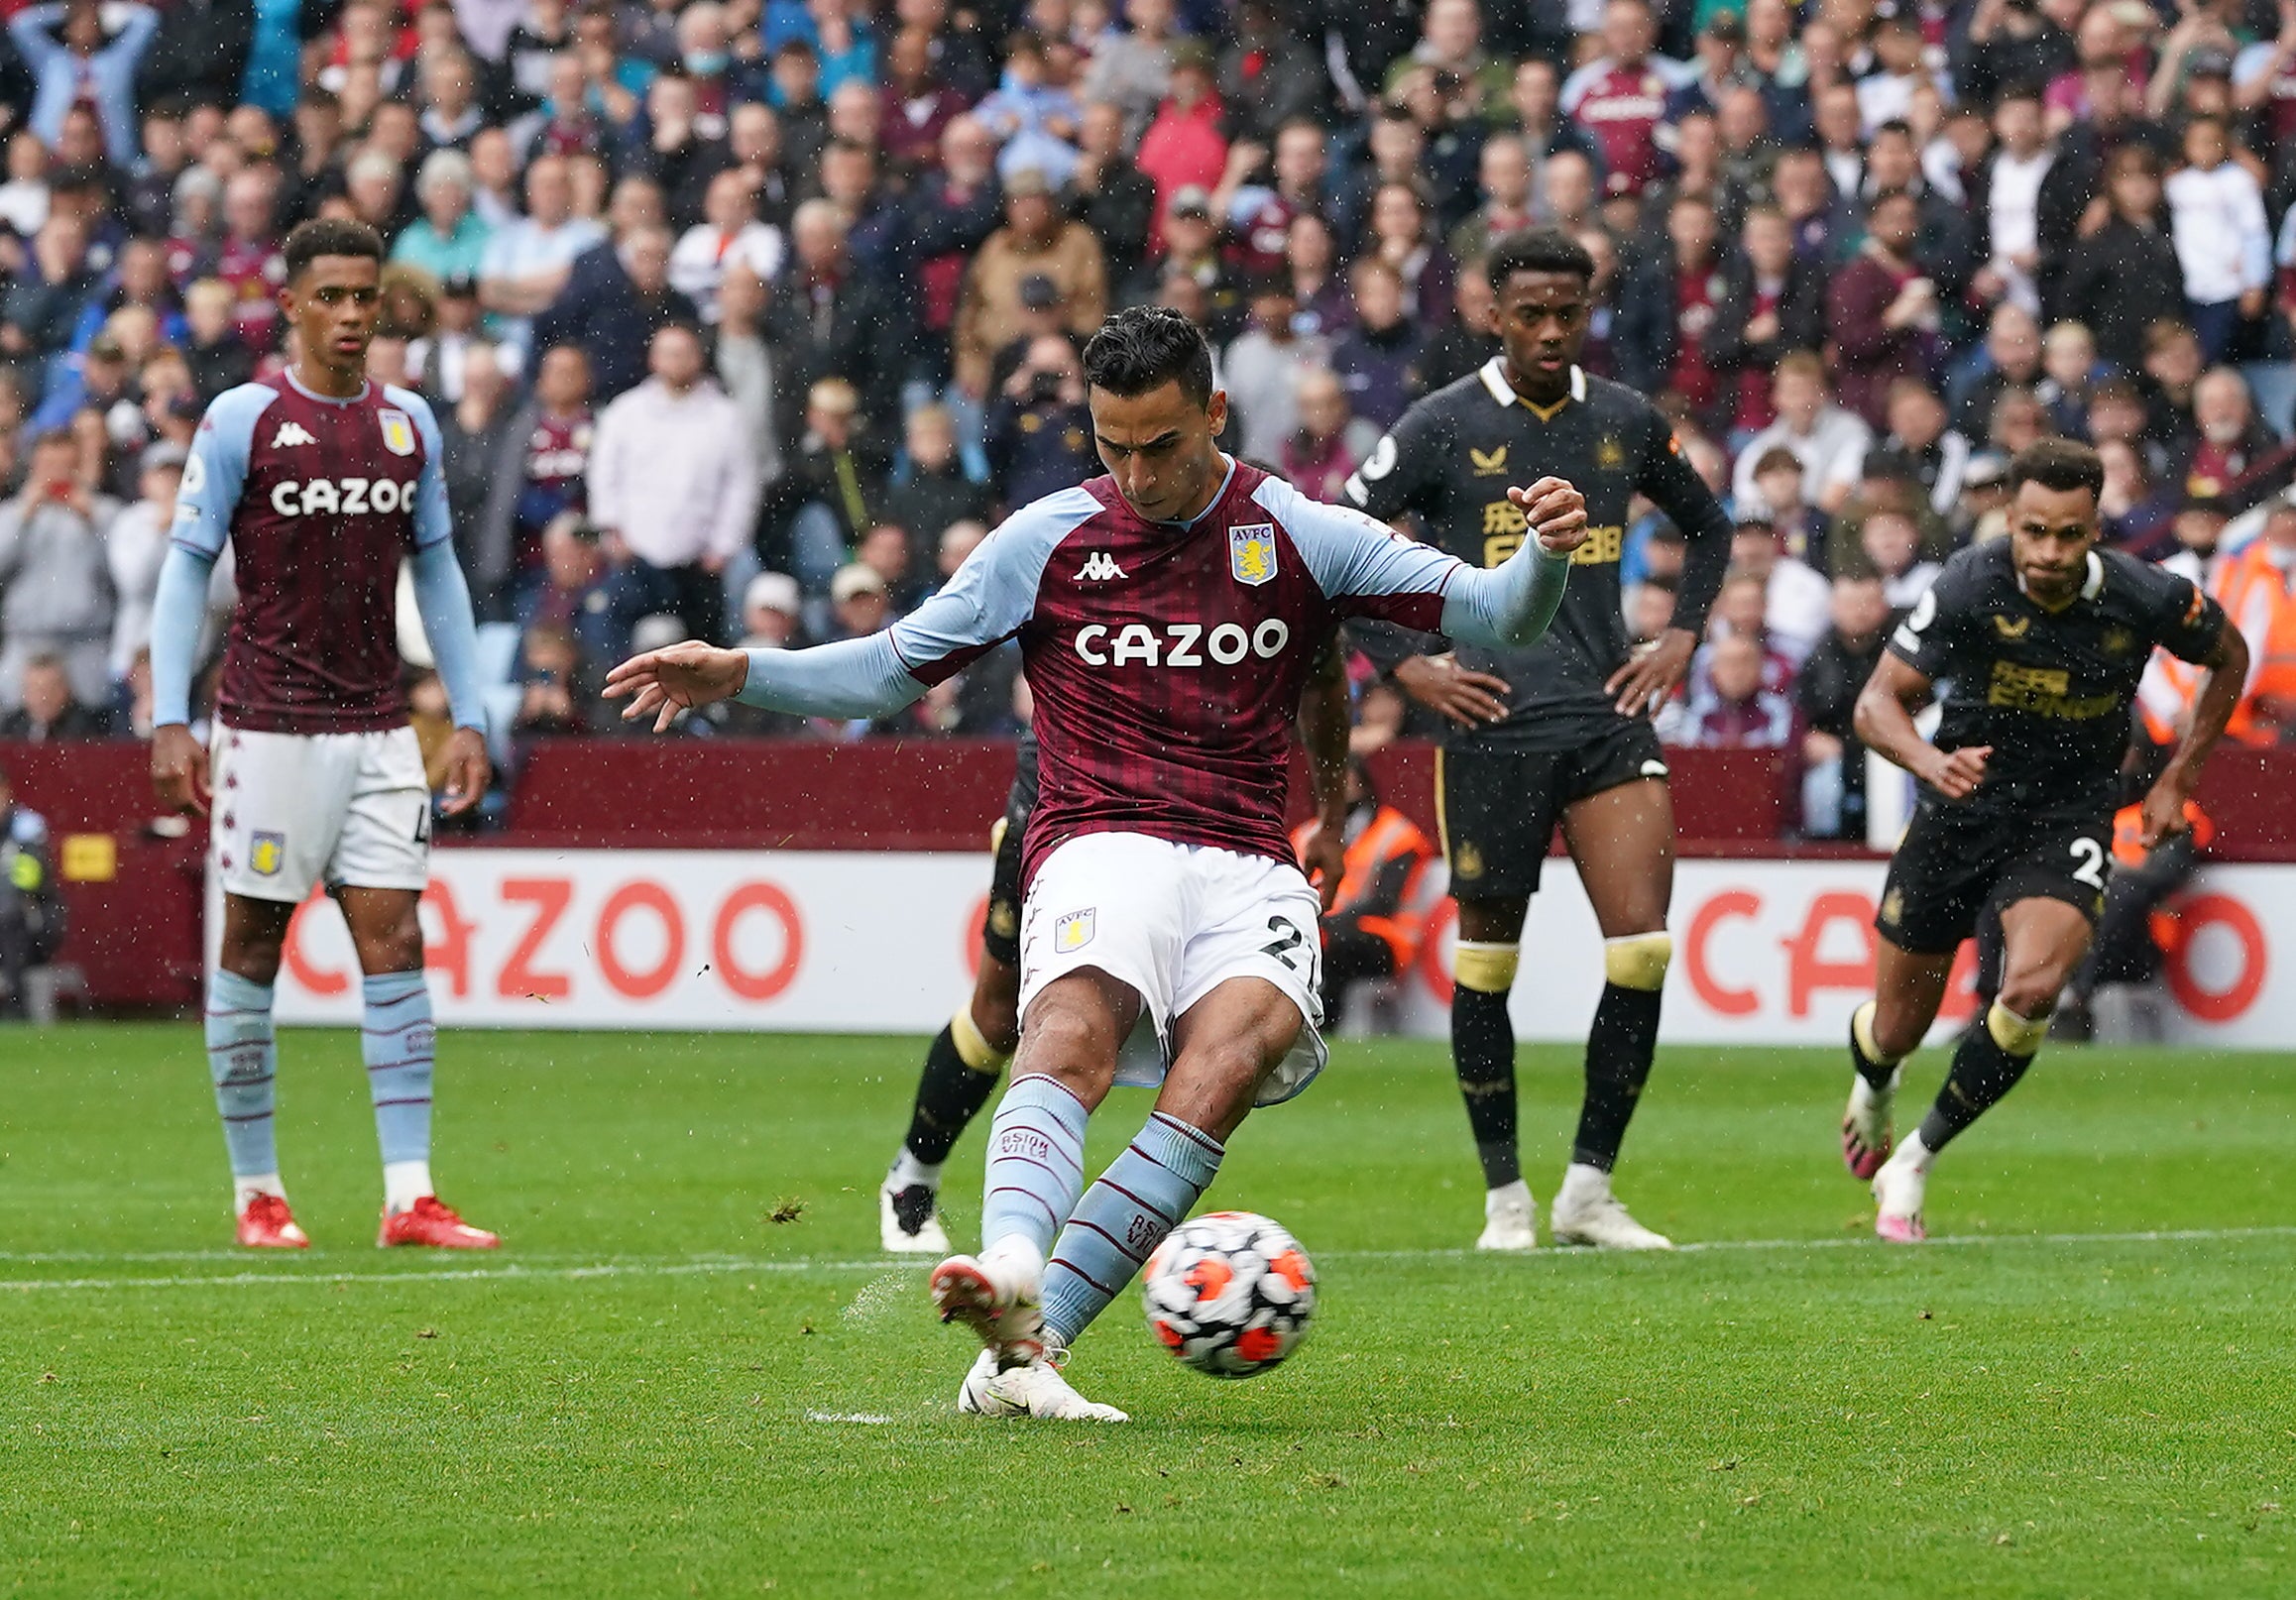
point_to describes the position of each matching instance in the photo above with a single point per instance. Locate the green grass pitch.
(690, 1374)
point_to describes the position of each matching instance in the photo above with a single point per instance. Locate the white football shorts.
(294, 810)
(1175, 922)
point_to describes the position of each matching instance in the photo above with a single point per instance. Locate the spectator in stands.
(558, 688)
(219, 358)
(527, 260)
(1738, 711)
(2173, 364)
(1795, 597)
(1828, 440)
(829, 495)
(932, 491)
(1040, 434)
(826, 320)
(1833, 785)
(1035, 241)
(1618, 97)
(2119, 278)
(1663, 334)
(1330, 444)
(616, 298)
(1133, 70)
(73, 63)
(1377, 358)
(55, 595)
(2224, 242)
(1919, 447)
(1183, 147)
(48, 711)
(1773, 301)
(134, 547)
(730, 236)
(1892, 544)
(672, 480)
(1883, 313)
(570, 588)
(478, 431)
(1264, 368)
(1108, 192)
(2010, 358)
(1192, 238)
(2232, 440)
(860, 603)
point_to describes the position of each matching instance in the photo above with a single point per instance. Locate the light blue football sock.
(397, 1041)
(243, 1066)
(1122, 1219)
(1036, 1162)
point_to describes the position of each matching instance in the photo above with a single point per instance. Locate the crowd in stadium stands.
(747, 319)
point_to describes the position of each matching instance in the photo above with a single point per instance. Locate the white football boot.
(1509, 1222)
(1035, 1388)
(1585, 1211)
(1868, 1124)
(999, 1295)
(899, 1208)
(1899, 1189)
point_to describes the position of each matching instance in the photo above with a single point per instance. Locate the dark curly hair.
(328, 236)
(1145, 348)
(1538, 249)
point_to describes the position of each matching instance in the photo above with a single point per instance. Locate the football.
(1230, 1293)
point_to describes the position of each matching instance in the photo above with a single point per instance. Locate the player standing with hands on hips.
(2041, 637)
(1169, 614)
(322, 483)
(1556, 732)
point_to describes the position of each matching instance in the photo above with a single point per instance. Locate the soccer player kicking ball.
(1168, 615)
(322, 483)
(1555, 734)
(2041, 638)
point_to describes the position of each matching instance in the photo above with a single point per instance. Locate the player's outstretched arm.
(1885, 721)
(857, 677)
(2219, 693)
(1510, 606)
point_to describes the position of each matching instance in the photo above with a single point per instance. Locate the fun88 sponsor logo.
(1181, 644)
(342, 497)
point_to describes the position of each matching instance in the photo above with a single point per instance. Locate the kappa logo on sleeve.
(1074, 931)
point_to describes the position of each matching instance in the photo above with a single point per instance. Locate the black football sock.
(1619, 1048)
(1983, 1072)
(950, 1094)
(1865, 1052)
(1483, 1052)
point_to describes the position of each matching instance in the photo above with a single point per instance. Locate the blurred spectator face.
(2069, 355)
(1769, 244)
(1102, 134)
(207, 309)
(2016, 123)
(1890, 162)
(163, 137)
(1396, 146)
(931, 438)
(1272, 310)
(2221, 407)
(1190, 235)
(1698, 144)
(1916, 416)
(395, 131)
(670, 103)
(1735, 668)
(754, 135)
(862, 613)
(647, 257)
(1890, 542)
(2123, 477)
(142, 271)
(374, 190)
(1506, 173)
(1031, 213)
(1151, 19)
(2019, 419)
(729, 204)
(958, 540)
(1473, 298)
(1898, 45)
(1690, 228)
(2174, 362)
(1566, 188)
(856, 113)
(483, 380)
(797, 75)
(1322, 402)
(2136, 187)
(1395, 216)
(1177, 291)
(2203, 144)
(55, 463)
(494, 163)
(1799, 184)
(1534, 92)
(2280, 525)
(1753, 549)
(1627, 32)
(676, 358)
(1798, 396)
(1651, 612)
(2116, 414)
(636, 204)
(1742, 118)
(909, 63)
(27, 159)
(969, 150)
(47, 691)
(445, 201)
(1861, 608)
(563, 383)
(1597, 242)
(1308, 245)
(566, 86)
(1896, 223)
(1837, 117)
(2200, 528)
(81, 141)
(829, 408)
(2014, 341)
(1300, 160)
(1378, 296)
(741, 300)
(550, 191)
(818, 233)
(1739, 607)
(448, 85)
(1453, 29)
(247, 207)
(884, 550)
(572, 562)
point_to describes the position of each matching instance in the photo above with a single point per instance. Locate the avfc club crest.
(398, 432)
(267, 853)
(1074, 931)
(1251, 552)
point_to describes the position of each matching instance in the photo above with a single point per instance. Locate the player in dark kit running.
(2041, 638)
(1561, 732)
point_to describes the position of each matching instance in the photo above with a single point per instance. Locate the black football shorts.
(1500, 805)
(1954, 861)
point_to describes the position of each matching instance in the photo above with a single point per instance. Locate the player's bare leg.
(1622, 840)
(962, 1067)
(398, 1040)
(2043, 939)
(1483, 963)
(1036, 1151)
(243, 1063)
(1908, 991)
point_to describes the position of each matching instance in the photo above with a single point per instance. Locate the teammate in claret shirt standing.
(323, 484)
(1169, 616)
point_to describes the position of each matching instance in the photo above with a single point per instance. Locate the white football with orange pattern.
(1230, 1293)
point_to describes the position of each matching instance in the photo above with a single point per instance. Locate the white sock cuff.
(908, 1172)
(246, 1189)
(404, 1183)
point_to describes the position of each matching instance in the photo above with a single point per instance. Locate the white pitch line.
(646, 1267)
